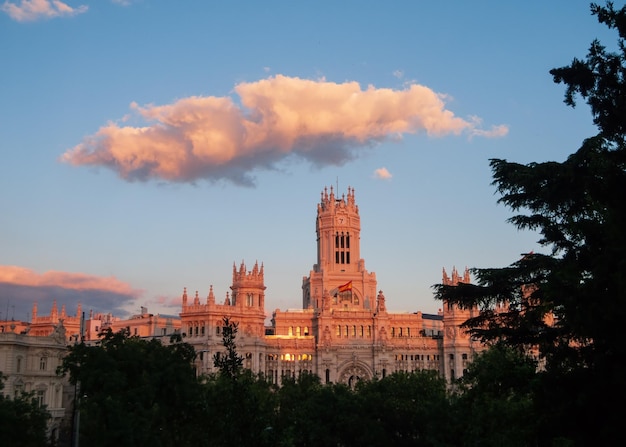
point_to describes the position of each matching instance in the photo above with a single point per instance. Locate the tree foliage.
(494, 403)
(569, 302)
(22, 421)
(230, 364)
(134, 392)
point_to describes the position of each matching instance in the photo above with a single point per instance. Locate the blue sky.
(149, 145)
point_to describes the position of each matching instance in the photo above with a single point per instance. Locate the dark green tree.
(494, 399)
(240, 406)
(570, 302)
(22, 421)
(135, 392)
(239, 412)
(408, 409)
(230, 363)
(311, 414)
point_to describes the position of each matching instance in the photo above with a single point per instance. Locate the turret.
(211, 298)
(248, 289)
(184, 297)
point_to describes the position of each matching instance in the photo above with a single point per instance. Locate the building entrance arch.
(353, 373)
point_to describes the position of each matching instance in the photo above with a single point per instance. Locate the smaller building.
(144, 324)
(30, 363)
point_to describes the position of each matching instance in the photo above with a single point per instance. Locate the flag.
(347, 286)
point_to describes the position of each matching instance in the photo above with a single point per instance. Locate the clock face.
(341, 220)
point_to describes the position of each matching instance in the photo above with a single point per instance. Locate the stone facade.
(343, 332)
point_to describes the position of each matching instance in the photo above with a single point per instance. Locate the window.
(342, 248)
(43, 363)
(18, 365)
(40, 397)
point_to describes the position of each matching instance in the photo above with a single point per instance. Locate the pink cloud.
(213, 138)
(20, 288)
(382, 173)
(75, 281)
(31, 10)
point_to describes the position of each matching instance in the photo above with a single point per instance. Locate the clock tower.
(339, 279)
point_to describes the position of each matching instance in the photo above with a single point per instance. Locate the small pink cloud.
(213, 138)
(382, 173)
(32, 10)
